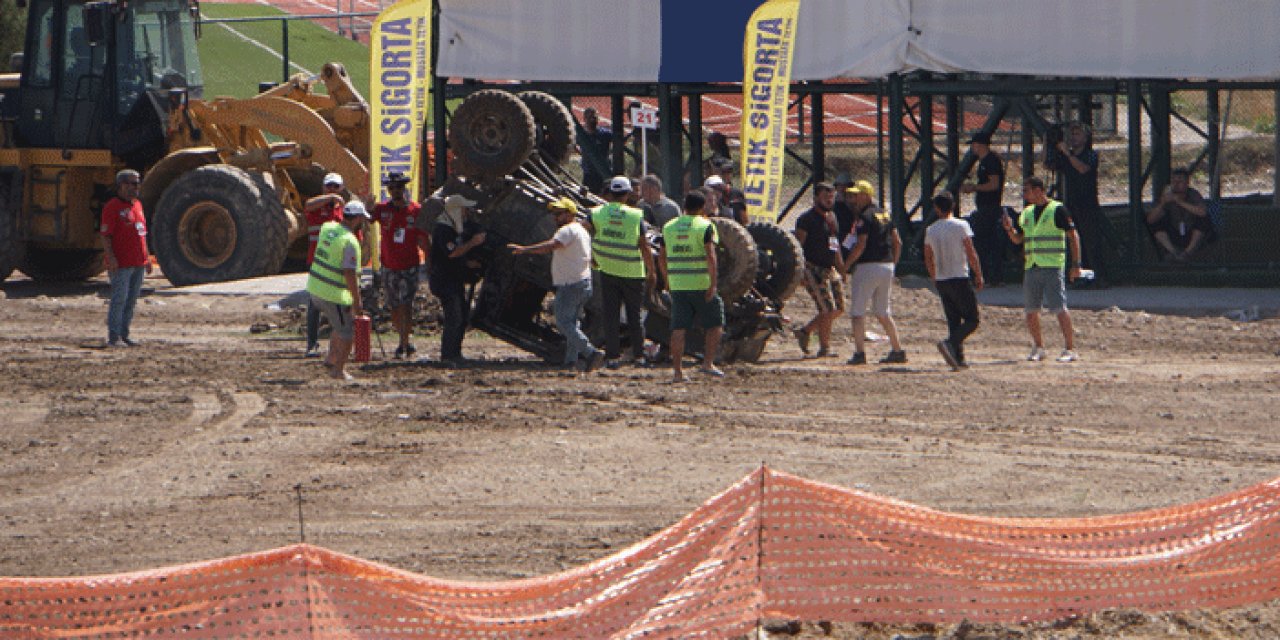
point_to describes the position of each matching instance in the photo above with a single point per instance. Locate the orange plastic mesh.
(773, 545)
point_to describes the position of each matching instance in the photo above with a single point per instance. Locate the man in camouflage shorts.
(403, 244)
(818, 233)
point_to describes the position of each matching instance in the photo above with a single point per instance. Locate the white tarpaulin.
(550, 40)
(1219, 39)
(653, 40)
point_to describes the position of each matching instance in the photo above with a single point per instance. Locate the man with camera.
(1069, 152)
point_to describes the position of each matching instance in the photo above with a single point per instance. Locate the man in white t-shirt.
(949, 255)
(570, 250)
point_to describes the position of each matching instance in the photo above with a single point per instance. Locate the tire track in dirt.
(126, 478)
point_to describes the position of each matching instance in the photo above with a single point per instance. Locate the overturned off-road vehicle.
(508, 153)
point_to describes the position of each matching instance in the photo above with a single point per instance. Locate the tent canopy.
(701, 40)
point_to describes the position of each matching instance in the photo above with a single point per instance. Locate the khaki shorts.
(341, 320)
(871, 283)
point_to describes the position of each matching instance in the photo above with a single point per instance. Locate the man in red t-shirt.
(124, 240)
(326, 207)
(401, 241)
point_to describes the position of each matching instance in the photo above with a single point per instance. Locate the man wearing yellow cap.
(872, 261)
(570, 250)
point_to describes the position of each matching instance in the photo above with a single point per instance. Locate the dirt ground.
(189, 447)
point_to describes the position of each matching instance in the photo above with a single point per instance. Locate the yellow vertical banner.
(767, 53)
(400, 86)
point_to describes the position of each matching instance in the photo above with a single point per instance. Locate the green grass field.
(234, 67)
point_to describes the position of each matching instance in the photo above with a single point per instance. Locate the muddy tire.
(491, 135)
(781, 260)
(11, 247)
(737, 260)
(553, 135)
(218, 223)
(61, 265)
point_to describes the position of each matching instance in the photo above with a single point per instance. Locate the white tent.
(652, 40)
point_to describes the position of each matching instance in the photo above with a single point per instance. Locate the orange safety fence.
(771, 546)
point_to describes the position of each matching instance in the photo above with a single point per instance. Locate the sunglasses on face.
(131, 182)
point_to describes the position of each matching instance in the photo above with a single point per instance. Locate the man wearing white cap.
(625, 263)
(451, 245)
(334, 283)
(717, 197)
(326, 207)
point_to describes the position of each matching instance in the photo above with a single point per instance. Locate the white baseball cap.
(355, 209)
(334, 178)
(714, 181)
(620, 184)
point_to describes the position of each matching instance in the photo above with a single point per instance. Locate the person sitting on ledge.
(1180, 220)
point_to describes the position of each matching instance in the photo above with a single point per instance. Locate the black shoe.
(802, 338)
(399, 352)
(895, 357)
(128, 342)
(949, 354)
(409, 350)
(858, 357)
(595, 361)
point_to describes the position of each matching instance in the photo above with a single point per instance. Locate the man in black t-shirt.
(1076, 161)
(872, 259)
(818, 233)
(1180, 220)
(844, 214)
(987, 189)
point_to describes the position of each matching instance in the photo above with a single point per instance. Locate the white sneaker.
(1068, 356)
(1036, 355)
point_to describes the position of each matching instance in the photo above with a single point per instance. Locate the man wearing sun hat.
(400, 245)
(452, 244)
(334, 282)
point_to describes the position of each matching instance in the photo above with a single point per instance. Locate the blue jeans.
(126, 284)
(569, 302)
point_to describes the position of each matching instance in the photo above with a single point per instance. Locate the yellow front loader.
(109, 85)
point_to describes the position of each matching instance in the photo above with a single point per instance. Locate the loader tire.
(781, 260)
(554, 125)
(11, 247)
(491, 135)
(218, 223)
(736, 259)
(61, 265)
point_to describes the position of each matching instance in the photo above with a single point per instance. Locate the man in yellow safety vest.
(689, 263)
(625, 264)
(1046, 230)
(334, 283)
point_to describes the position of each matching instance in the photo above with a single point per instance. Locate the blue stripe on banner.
(702, 39)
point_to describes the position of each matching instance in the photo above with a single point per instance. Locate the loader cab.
(102, 75)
